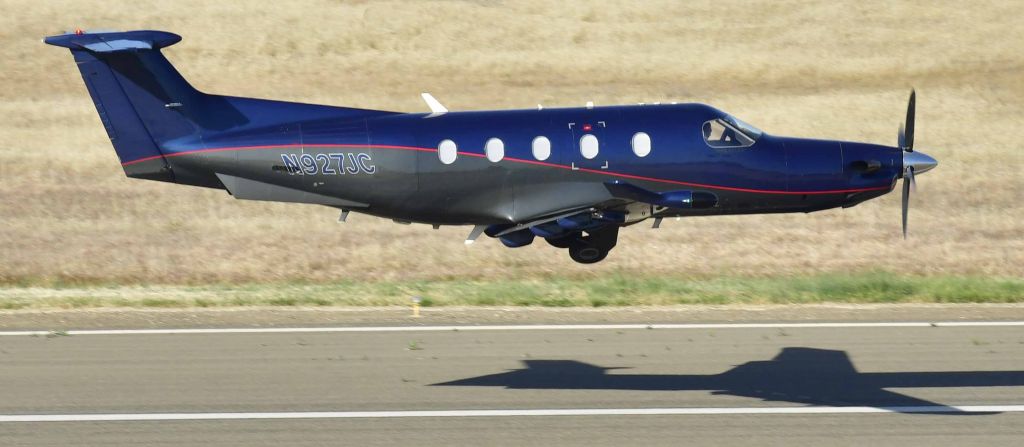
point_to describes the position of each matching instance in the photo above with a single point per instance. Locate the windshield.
(751, 131)
(729, 132)
(720, 133)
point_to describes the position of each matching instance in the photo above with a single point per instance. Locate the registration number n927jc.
(337, 163)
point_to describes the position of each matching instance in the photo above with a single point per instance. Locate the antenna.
(435, 106)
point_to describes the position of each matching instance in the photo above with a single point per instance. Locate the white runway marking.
(127, 417)
(524, 327)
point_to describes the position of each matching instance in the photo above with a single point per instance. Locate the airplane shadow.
(797, 374)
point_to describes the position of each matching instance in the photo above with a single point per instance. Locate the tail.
(138, 94)
(147, 107)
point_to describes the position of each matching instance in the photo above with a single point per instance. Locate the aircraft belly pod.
(571, 176)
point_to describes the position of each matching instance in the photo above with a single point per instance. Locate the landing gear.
(564, 241)
(595, 246)
(588, 249)
(586, 254)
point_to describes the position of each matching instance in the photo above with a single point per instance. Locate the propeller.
(913, 162)
(907, 127)
(908, 180)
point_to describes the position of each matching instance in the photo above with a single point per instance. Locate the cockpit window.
(730, 132)
(751, 131)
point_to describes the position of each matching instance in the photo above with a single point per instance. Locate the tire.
(587, 253)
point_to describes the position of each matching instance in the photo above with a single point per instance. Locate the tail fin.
(136, 92)
(147, 108)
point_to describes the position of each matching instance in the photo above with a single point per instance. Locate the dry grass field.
(822, 69)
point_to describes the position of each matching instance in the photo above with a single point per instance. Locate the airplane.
(572, 176)
(801, 375)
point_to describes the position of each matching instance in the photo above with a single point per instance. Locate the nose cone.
(920, 161)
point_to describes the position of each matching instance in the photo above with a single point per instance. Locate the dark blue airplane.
(572, 176)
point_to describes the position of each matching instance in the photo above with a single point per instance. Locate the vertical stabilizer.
(137, 94)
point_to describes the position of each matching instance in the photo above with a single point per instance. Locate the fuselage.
(390, 164)
(571, 176)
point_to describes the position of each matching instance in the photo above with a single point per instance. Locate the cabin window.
(495, 150)
(729, 132)
(447, 152)
(541, 148)
(588, 146)
(641, 144)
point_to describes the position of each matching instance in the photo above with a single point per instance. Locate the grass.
(619, 290)
(68, 215)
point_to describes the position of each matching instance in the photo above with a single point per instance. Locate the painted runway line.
(129, 417)
(524, 327)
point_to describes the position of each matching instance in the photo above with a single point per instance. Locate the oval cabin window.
(588, 146)
(495, 150)
(641, 144)
(541, 148)
(447, 152)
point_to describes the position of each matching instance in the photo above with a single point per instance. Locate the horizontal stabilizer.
(669, 199)
(110, 42)
(245, 189)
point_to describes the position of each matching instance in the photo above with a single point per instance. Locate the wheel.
(595, 246)
(587, 253)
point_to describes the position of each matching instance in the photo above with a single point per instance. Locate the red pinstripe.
(514, 160)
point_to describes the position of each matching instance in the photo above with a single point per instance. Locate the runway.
(764, 384)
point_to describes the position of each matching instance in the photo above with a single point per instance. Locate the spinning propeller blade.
(913, 162)
(907, 129)
(908, 180)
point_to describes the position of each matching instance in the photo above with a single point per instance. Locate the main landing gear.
(585, 246)
(591, 248)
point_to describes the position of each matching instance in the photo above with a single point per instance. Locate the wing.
(624, 204)
(669, 199)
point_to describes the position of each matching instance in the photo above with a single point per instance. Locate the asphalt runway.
(627, 385)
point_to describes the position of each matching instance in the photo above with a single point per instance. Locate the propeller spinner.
(913, 162)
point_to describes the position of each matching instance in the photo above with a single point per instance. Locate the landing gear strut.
(594, 246)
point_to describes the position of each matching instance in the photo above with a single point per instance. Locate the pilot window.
(721, 133)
